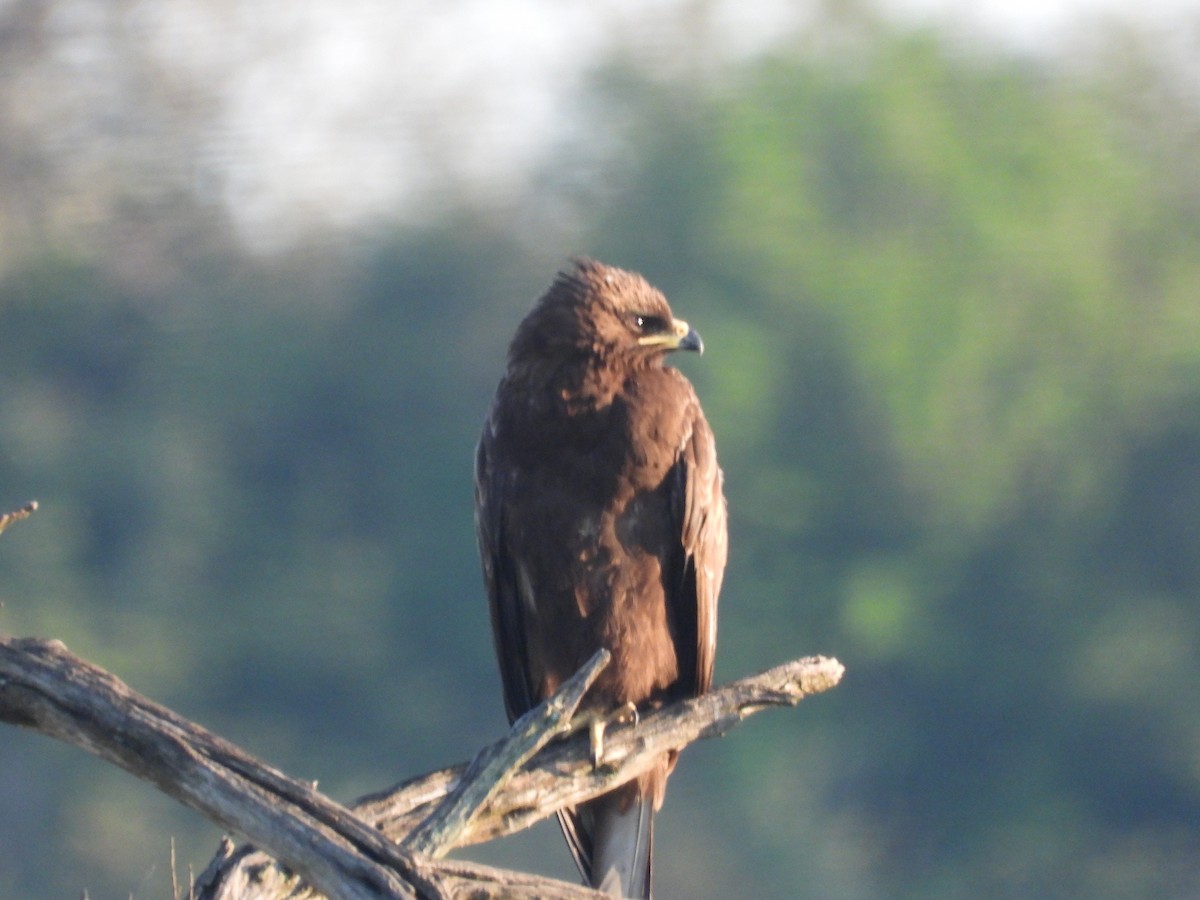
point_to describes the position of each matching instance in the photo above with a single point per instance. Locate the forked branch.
(386, 845)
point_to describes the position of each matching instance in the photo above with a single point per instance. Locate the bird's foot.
(597, 722)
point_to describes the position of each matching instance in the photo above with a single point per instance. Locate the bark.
(388, 844)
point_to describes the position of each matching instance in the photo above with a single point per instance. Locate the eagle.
(601, 522)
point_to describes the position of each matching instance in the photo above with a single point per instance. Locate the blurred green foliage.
(951, 306)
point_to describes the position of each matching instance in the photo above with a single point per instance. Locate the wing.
(493, 486)
(698, 507)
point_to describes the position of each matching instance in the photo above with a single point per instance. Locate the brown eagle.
(601, 523)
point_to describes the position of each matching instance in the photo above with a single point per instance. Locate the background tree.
(953, 353)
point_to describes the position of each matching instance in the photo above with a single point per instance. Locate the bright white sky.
(357, 109)
(1037, 23)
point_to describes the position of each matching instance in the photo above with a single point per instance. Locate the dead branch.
(563, 774)
(559, 776)
(45, 687)
(17, 515)
(369, 851)
(494, 765)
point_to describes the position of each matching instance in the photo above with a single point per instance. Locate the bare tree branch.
(351, 853)
(561, 775)
(244, 873)
(43, 686)
(17, 515)
(495, 764)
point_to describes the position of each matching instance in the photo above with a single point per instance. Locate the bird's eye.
(649, 324)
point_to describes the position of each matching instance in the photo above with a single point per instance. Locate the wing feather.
(704, 538)
(493, 484)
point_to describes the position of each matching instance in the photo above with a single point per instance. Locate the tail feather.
(622, 847)
(612, 838)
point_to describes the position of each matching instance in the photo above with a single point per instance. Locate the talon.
(597, 723)
(596, 736)
(630, 714)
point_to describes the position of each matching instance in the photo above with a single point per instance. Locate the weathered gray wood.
(493, 765)
(44, 686)
(248, 874)
(350, 853)
(562, 773)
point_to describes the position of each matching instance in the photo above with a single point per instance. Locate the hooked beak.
(681, 337)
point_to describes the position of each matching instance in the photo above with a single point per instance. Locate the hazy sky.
(358, 109)
(1034, 23)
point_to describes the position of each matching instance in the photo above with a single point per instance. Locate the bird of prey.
(601, 523)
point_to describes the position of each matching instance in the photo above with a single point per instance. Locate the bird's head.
(599, 315)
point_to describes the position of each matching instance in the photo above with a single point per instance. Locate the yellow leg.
(597, 722)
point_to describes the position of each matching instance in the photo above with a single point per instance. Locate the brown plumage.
(601, 523)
